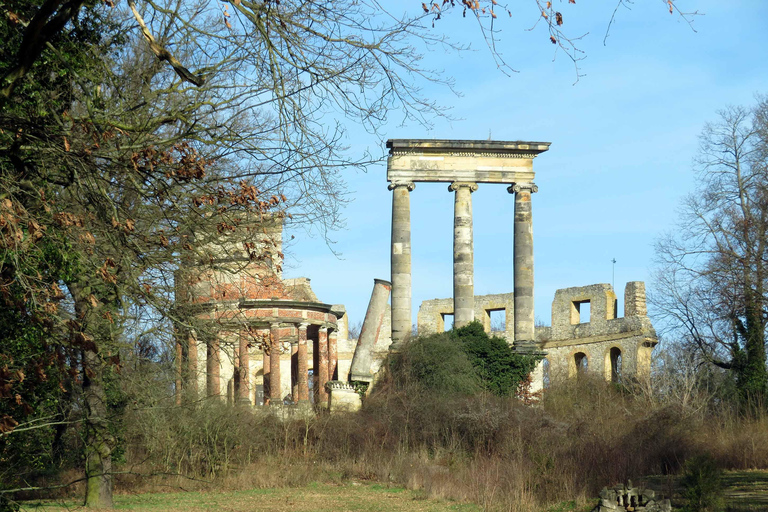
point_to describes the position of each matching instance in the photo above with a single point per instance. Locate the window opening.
(582, 363)
(498, 320)
(585, 312)
(615, 364)
(580, 312)
(447, 321)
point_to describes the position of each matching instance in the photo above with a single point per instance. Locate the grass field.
(745, 491)
(352, 497)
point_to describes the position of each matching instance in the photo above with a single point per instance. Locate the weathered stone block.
(344, 398)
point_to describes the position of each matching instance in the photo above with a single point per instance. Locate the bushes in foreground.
(481, 447)
(437, 423)
(462, 361)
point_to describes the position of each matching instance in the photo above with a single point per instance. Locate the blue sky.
(623, 139)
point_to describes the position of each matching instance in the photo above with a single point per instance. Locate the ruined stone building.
(604, 344)
(248, 335)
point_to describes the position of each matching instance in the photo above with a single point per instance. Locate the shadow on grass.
(745, 491)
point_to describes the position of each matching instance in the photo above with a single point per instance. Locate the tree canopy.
(135, 133)
(713, 281)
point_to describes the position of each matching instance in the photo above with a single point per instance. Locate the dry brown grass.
(482, 449)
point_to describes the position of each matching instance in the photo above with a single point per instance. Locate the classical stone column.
(303, 370)
(525, 339)
(322, 370)
(244, 384)
(333, 355)
(401, 262)
(360, 369)
(463, 258)
(213, 368)
(274, 365)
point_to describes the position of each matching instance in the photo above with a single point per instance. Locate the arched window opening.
(582, 363)
(616, 364)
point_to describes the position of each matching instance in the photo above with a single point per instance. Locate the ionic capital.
(519, 187)
(458, 184)
(411, 185)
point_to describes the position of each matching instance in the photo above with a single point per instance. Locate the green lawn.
(352, 497)
(745, 491)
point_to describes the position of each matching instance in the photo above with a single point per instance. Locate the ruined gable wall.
(633, 335)
(430, 318)
(568, 337)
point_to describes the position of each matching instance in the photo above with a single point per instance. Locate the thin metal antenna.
(613, 274)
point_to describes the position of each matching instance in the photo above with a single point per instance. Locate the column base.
(528, 347)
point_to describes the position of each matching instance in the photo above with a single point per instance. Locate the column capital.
(302, 325)
(519, 187)
(274, 325)
(324, 329)
(411, 185)
(457, 184)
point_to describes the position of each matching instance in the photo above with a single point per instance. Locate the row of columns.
(463, 260)
(325, 365)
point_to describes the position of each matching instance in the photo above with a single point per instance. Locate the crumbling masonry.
(605, 345)
(247, 335)
(612, 346)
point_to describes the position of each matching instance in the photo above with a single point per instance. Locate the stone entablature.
(631, 499)
(435, 160)
(344, 397)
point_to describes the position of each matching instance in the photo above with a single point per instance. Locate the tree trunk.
(753, 378)
(98, 440)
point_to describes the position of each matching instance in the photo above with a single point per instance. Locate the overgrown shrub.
(432, 424)
(500, 368)
(463, 361)
(702, 484)
(436, 363)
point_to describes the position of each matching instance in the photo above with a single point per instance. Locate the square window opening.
(583, 312)
(498, 320)
(447, 321)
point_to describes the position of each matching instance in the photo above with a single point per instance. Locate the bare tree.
(133, 134)
(712, 279)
